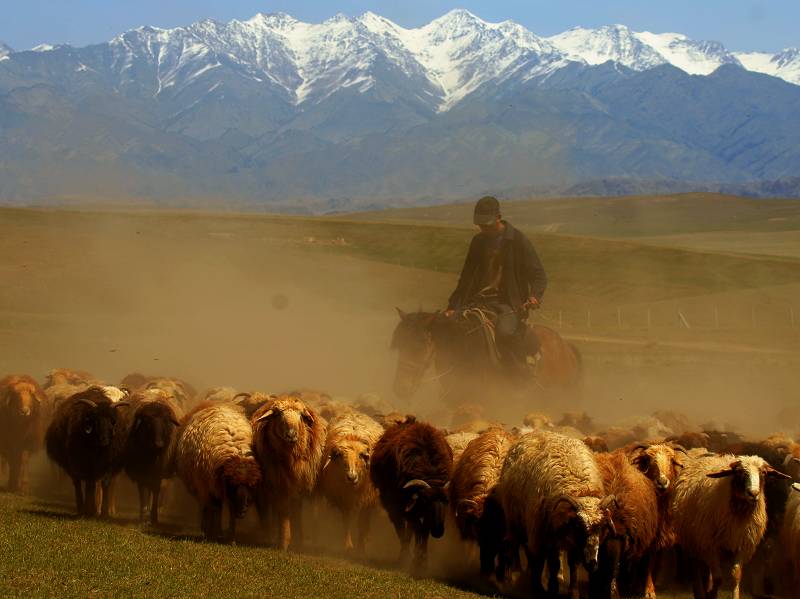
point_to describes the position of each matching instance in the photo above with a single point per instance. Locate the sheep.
(662, 464)
(214, 459)
(344, 477)
(182, 391)
(21, 422)
(60, 376)
(596, 444)
(477, 513)
(719, 513)
(85, 438)
(411, 466)
(250, 402)
(579, 420)
(635, 517)
(458, 442)
(147, 455)
(289, 438)
(551, 492)
(790, 538)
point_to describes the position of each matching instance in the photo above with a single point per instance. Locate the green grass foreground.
(46, 551)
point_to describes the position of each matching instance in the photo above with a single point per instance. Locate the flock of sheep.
(544, 502)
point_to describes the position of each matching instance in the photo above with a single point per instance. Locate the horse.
(466, 365)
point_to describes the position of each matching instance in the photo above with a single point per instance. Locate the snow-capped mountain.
(271, 108)
(4, 50)
(784, 64)
(642, 51)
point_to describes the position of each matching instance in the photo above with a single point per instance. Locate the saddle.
(527, 348)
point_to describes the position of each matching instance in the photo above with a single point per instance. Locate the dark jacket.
(523, 274)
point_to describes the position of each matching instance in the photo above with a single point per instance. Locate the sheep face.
(97, 425)
(240, 476)
(22, 400)
(288, 422)
(660, 463)
(153, 427)
(426, 505)
(414, 343)
(748, 475)
(349, 459)
(583, 523)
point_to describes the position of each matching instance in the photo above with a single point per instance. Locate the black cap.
(486, 211)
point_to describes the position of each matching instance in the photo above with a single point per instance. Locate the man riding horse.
(503, 278)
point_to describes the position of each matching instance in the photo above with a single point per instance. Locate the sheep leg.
(572, 559)
(403, 533)
(420, 548)
(649, 585)
(155, 494)
(231, 522)
(700, 580)
(216, 519)
(536, 566)
(736, 572)
(347, 519)
(106, 505)
(90, 501)
(142, 501)
(15, 472)
(205, 520)
(285, 533)
(296, 516)
(78, 495)
(364, 520)
(553, 569)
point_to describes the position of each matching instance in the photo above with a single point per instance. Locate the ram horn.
(416, 482)
(466, 503)
(120, 404)
(247, 395)
(265, 415)
(571, 500)
(88, 402)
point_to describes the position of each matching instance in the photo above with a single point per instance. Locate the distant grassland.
(632, 216)
(582, 270)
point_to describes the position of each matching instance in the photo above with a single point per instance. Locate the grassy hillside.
(635, 216)
(45, 551)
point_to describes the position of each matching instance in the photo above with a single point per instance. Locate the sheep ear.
(609, 502)
(265, 415)
(402, 314)
(611, 527)
(412, 502)
(777, 473)
(308, 418)
(721, 473)
(174, 421)
(796, 487)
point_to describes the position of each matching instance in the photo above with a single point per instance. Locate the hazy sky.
(768, 25)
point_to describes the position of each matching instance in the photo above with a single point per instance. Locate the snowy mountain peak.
(785, 64)
(5, 50)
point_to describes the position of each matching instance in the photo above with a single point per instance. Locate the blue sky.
(768, 25)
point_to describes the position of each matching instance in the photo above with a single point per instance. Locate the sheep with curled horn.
(22, 418)
(552, 494)
(214, 458)
(85, 438)
(477, 512)
(289, 439)
(720, 516)
(344, 478)
(251, 401)
(149, 446)
(411, 466)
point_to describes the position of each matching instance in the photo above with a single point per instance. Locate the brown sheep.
(344, 479)
(289, 438)
(22, 406)
(60, 376)
(635, 517)
(475, 474)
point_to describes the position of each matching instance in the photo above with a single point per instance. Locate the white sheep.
(719, 515)
(214, 458)
(551, 491)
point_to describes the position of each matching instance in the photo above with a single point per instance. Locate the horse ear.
(402, 314)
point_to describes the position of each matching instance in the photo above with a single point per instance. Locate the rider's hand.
(532, 303)
(449, 312)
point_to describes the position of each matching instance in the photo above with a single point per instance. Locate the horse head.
(413, 340)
